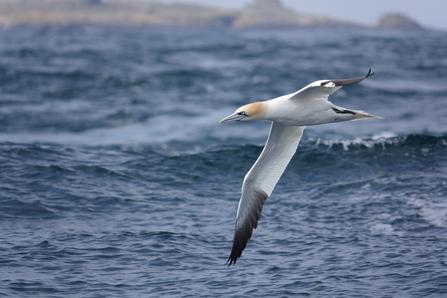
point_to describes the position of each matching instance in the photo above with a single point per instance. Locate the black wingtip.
(243, 232)
(369, 74)
(231, 261)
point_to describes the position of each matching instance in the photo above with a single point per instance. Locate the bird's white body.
(302, 112)
(290, 114)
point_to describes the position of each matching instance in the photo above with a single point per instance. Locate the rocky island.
(398, 21)
(271, 13)
(138, 13)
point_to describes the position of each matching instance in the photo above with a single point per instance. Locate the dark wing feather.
(323, 88)
(261, 180)
(345, 82)
(244, 232)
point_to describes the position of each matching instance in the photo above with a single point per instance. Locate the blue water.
(116, 179)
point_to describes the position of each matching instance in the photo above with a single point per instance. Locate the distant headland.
(138, 13)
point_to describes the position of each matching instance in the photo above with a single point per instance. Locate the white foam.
(385, 229)
(156, 130)
(386, 137)
(434, 213)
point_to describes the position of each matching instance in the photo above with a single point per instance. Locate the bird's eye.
(242, 113)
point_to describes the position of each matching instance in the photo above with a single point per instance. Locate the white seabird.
(290, 114)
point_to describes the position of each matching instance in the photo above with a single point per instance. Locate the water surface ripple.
(117, 181)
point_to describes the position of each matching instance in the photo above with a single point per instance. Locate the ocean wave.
(23, 208)
(386, 140)
(407, 85)
(422, 144)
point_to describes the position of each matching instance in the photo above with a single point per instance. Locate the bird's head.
(250, 112)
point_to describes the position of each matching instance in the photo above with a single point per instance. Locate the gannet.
(290, 114)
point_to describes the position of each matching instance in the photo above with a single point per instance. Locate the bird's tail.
(359, 115)
(353, 114)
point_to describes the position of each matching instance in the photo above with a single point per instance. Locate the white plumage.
(290, 115)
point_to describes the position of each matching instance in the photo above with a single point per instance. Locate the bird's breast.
(297, 114)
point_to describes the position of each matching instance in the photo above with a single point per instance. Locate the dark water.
(117, 181)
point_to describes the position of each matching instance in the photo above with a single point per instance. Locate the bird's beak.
(232, 117)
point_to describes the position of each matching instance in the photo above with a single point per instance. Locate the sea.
(117, 180)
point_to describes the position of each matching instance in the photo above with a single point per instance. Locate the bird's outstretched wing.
(260, 180)
(320, 90)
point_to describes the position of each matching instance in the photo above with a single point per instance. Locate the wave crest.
(385, 141)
